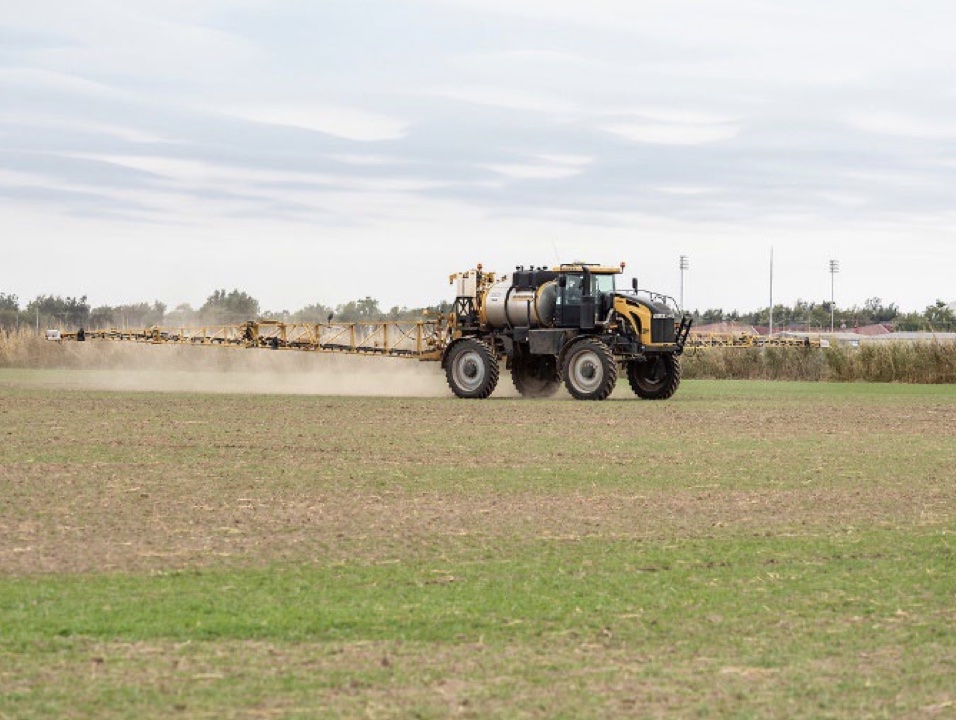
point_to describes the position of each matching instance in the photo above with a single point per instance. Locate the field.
(748, 549)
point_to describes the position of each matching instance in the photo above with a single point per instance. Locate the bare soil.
(106, 481)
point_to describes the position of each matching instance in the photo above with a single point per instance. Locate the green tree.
(939, 317)
(368, 308)
(439, 308)
(182, 315)
(130, 315)
(876, 312)
(709, 316)
(280, 315)
(315, 313)
(9, 311)
(101, 317)
(59, 312)
(911, 322)
(364, 310)
(233, 307)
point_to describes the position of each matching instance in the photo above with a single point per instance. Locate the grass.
(907, 362)
(519, 591)
(842, 616)
(749, 549)
(873, 361)
(830, 628)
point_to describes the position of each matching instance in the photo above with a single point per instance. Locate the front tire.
(471, 369)
(656, 378)
(589, 370)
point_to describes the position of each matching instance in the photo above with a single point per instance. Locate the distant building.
(872, 330)
(725, 328)
(914, 336)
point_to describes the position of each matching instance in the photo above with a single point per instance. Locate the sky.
(325, 150)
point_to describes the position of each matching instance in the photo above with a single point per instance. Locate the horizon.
(267, 311)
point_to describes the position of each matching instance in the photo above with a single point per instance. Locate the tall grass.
(927, 362)
(923, 362)
(755, 364)
(24, 348)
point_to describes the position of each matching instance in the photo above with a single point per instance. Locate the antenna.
(557, 257)
(684, 265)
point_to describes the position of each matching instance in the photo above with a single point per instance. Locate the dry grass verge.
(920, 362)
(923, 362)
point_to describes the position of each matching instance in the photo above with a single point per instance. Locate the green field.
(747, 549)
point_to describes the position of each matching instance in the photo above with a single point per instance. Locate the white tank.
(505, 305)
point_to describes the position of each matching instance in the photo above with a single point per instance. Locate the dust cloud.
(98, 365)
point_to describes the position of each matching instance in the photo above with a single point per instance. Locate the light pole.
(684, 265)
(834, 269)
(770, 331)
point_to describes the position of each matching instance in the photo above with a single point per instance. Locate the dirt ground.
(120, 481)
(371, 547)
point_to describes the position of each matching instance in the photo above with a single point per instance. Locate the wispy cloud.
(412, 119)
(344, 122)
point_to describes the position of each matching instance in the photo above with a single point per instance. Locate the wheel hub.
(586, 371)
(469, 371)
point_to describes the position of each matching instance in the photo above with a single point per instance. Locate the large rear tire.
(471, 369)
(589, 370)
(656, 378)
(535, 376)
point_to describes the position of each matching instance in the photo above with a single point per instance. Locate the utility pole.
(770, 333)
(834, 269)
(684, 265)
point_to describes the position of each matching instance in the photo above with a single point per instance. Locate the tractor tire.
(589, 370)
(471, 369)
(535, 376)
(656, 378)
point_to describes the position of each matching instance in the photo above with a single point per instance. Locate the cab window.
(602, 284)
(573, 290)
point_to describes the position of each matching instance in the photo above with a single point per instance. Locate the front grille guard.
(683, 331)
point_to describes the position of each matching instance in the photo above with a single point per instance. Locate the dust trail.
(169, 368)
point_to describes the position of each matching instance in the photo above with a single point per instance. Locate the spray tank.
(527, 298)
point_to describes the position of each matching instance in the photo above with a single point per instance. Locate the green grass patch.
(506, 592)
(688, 614)
(749, 549)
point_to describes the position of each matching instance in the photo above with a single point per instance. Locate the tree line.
(236, 306)
(220, 308)
(804, 315)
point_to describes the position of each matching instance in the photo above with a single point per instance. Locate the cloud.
(390, 117)
(53, 80)
(128, 41)
(344, 122)
(503, 97)
(903, 125)
(671, 133)
(535, 171)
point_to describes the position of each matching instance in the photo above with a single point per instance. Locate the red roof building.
(725, 328)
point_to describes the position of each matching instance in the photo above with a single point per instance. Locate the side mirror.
(634, 284)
